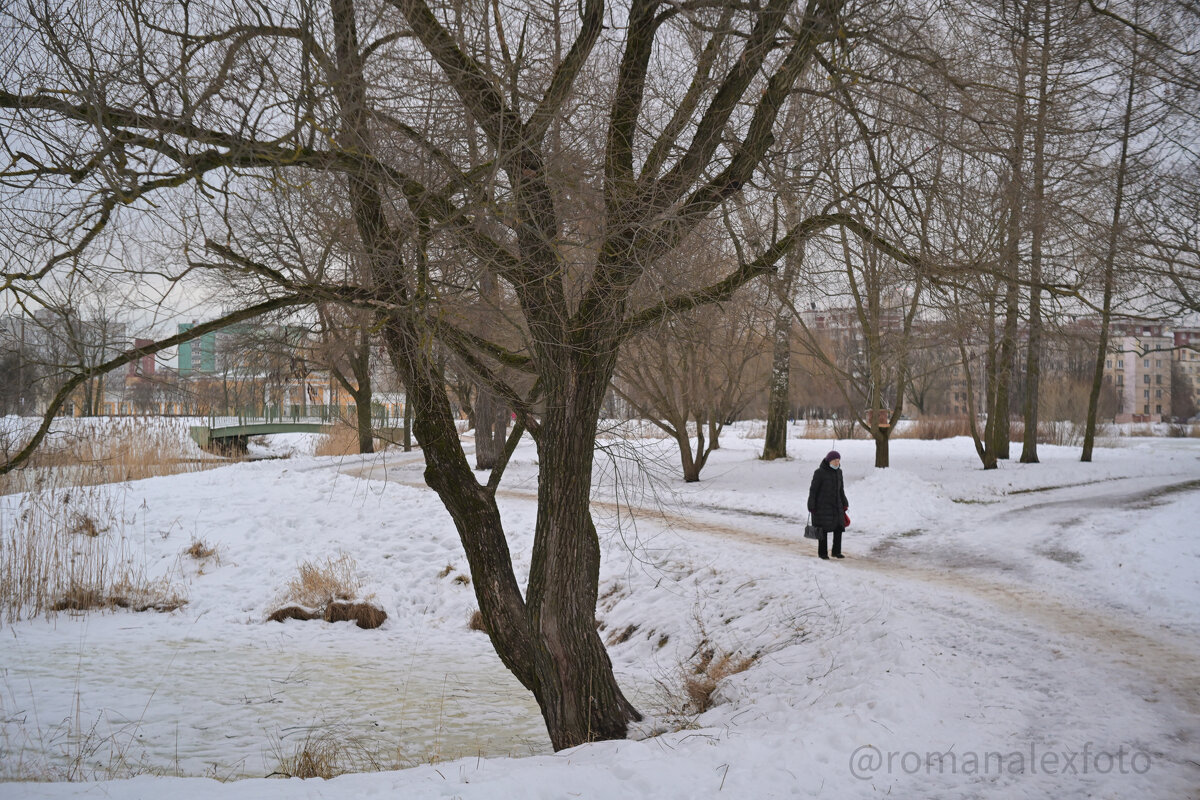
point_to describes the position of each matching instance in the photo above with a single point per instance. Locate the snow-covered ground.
(1025, 632)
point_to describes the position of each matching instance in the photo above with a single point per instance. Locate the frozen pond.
(98, 698)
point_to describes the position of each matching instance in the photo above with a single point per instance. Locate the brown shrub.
(327, 591)
(476, 622)
(134, 598)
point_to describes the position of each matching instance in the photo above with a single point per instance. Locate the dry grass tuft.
(711, 666)
(328, 591)
(321, 584)
(476, 622)
(446, 570)
(326, 752)
(462, 580)
(201, 550)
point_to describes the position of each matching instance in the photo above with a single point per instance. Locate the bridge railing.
(325, 415)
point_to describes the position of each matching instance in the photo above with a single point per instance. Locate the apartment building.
(1138, 366)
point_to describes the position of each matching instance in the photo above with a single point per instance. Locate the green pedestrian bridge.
(234, 433)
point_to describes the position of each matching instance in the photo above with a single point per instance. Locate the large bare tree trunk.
(575, 687)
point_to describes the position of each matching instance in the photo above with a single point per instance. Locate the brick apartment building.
(1138, 366)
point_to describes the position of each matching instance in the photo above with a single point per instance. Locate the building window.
(1147, 394)
(1158, 363)
(1147, 411)
(1120, 363)
(1145, 379)
(1158, 378)
(1108, 364)
(1158, 409)
(1121, 380)
(1158, 392)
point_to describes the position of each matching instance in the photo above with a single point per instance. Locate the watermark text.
(868, 761)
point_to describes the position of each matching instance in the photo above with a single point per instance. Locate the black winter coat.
(827, 498)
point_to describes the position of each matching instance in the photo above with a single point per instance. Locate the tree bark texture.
(491, 427)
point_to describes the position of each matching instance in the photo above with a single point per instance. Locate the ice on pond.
(93, 706)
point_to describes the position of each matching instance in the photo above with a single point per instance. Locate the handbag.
(845, 520)
(812, 531)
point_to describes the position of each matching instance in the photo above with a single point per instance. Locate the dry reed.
(92, 451)
(934, 428)
(68, 550)
(342, 440)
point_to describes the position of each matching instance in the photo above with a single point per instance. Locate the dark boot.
(823, 546)
(837, 544)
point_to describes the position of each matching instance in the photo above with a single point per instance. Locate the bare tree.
(692, 374)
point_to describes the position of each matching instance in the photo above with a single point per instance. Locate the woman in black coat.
(827, 503)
